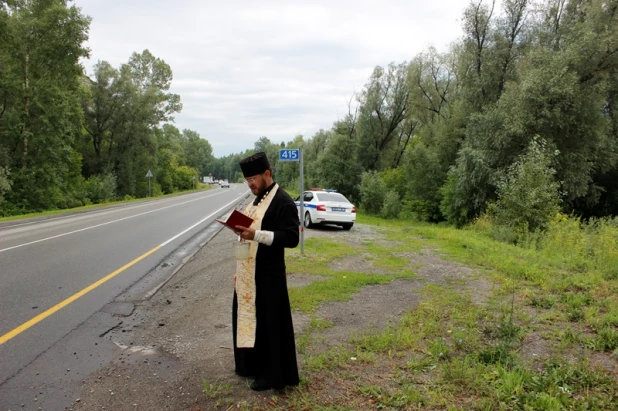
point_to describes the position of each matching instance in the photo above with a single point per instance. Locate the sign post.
(297, 155)
(194, 182)
(149, 175)
(302, 204)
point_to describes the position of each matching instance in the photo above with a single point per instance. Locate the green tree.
(5, 182)
(40, 118)
(103, 104)
(528, 194)
(313, 149)
(551, 76)
(395, 179)
(5, 174)
(338, 167)
(392, 205)
(183, 177)
(170, 138)
(424, 175)
(431, 80)
(384, 105)
(372, 192)
(198, 152)
(100, 188)
(166, 166)
(227, 167)
(271, 149)
(288, 172)
(123, 110)
(170, 155)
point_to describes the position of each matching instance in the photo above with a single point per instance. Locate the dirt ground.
(182, 335)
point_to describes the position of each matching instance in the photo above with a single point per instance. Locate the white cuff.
(264, 237)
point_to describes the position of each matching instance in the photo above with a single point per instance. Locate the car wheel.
(307, 220)
(347, 226)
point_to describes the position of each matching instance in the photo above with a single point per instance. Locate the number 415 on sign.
(289, 155)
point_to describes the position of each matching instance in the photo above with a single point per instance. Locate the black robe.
(273, 357)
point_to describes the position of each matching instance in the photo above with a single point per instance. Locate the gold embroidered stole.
(245, 278)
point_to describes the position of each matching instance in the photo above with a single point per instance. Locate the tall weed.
(583, 246)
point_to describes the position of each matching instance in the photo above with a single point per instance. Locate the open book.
(236, 218)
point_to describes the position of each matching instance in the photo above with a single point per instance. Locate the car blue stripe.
(306, 205)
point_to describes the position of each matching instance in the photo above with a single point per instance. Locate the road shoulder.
(180, 338)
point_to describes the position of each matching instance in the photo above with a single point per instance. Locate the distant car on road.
(224, 184)
(326, 207)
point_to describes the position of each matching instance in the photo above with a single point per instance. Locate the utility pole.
(296, 154)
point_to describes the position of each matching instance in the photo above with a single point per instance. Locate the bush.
(528, 195)
(166, 182)
(183, 177)
(583, 246)
(372, 192)
(5, 182)
(392, 205)
(452, 206)
(419, 210)
(156, 190)
(395, 179)
(424, 176)
(100, 188)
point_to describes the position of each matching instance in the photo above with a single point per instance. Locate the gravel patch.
(183, 334)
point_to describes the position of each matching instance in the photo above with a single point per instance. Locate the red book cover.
(236, 218)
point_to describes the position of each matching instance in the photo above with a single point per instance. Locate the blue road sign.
(289, 155)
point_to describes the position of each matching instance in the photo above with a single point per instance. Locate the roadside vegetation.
(444, 136)
(500, 153)
(546, 336)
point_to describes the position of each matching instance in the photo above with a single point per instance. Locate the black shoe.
(260, 385)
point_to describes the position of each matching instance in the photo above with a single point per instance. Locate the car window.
(333, 197)
(308, 197)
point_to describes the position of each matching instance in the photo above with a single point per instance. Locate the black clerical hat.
(254, 165)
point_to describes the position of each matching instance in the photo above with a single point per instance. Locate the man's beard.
(259, 191)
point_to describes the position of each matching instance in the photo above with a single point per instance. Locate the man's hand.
(246, 233)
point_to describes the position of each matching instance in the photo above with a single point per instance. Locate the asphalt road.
(57, 273)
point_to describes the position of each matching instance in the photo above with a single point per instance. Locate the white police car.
(326, 207)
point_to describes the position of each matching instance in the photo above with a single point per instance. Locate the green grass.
(538, 341)
(388, 258)
(340, 285)
(216, 389)
(319, 253)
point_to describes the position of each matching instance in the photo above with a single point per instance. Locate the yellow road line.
(72, 298)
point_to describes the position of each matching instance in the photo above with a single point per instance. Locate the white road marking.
(106, 223)
(37, 319)
(99, 210)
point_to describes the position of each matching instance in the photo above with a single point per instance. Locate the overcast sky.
(246, 69)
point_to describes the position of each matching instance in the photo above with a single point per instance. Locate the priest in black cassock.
(264, 346)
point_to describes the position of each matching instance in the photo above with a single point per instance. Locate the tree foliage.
(442, 135)
(457, 123)
(40, 117)
(528, 195)
(384, 105)
(373, 192)
(392, 205)
(67, 139)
